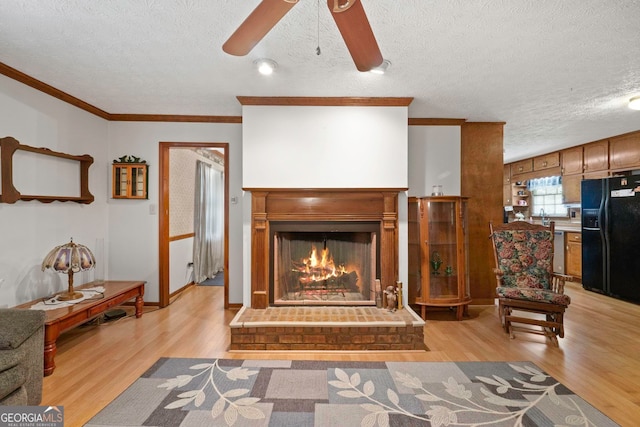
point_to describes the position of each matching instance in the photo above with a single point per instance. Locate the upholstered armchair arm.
(558, 281)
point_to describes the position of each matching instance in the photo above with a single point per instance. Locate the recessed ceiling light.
(382, 68)
(266, 66)
(634, 103)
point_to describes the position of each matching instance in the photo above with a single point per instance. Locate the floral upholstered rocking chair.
(529, 294)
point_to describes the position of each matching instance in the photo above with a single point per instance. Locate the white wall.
(127, 229)
(434, 159)
(181, 253)
(134, 228)
(29, 230)
(324, 147)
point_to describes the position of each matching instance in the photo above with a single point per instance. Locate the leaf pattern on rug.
(449, 411)
(493, 399)
(239, 407)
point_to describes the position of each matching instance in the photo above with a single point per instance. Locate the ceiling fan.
(350, 19)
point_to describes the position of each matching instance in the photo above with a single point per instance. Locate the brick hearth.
(326, 328)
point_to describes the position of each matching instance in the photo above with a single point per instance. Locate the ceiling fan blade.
(357, 34)
(256, 26)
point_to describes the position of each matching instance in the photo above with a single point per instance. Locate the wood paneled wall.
(482, 166)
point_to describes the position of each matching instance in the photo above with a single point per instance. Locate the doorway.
(164, 238)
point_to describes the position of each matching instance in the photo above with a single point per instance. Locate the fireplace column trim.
(259, 251)
(320, 204)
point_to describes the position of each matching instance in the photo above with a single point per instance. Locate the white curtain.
(208, 247)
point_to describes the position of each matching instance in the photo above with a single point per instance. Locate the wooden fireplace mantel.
(320, 205)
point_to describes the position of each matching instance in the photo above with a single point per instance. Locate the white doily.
(54, 303)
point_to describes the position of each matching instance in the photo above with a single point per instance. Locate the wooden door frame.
(163, 212)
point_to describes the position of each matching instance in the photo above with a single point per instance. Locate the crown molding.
(23, 78)
(321, 101)
(173, 118)
(36, 84)
(435, 122)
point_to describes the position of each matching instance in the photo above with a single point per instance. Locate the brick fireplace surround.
(323, 328)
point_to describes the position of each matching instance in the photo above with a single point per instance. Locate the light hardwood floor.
(599, 358)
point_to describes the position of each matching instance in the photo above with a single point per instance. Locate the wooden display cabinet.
(438, 253)
(130, 179)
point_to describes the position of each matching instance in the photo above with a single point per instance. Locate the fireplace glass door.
(324, 268)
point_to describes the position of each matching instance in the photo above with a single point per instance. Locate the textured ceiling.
(558, 72)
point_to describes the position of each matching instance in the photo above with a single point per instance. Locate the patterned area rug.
(280, 393)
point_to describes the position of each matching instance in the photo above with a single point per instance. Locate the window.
(547, 196)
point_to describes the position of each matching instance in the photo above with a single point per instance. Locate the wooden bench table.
(62, 319)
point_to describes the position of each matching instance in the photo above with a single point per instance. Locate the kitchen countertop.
(574, 227)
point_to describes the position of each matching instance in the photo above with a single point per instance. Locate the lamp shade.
(69, 258)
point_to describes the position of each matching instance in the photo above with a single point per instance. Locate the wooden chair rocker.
(529, 294)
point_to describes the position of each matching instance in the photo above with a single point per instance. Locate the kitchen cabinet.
(507, 191)
(572, 161)
(506, 173)
(596, 156)
(438, 259)
(546, 161)
(596, 175)
(573, 254)
(523, 166)
(624, 152)
(520, 195)
(571, 188)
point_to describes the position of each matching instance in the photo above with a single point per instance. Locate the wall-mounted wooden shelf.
(9, 145)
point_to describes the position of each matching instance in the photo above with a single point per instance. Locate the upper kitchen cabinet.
(546, 161)
(523, 166)
(596, 156)
(572, 161)
(571, 188)
(624, 152)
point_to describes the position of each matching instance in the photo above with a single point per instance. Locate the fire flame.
(319, 267)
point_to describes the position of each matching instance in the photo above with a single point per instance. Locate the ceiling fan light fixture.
(266, 66)
(634, 103)
(382, 68)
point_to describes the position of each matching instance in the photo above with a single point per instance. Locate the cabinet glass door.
(130, 181)
(121, 181)
(415, 247)
(137, 182)
(443, 250)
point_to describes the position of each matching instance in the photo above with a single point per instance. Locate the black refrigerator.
(611, 236)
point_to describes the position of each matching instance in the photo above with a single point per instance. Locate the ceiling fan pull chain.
(318, 51)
